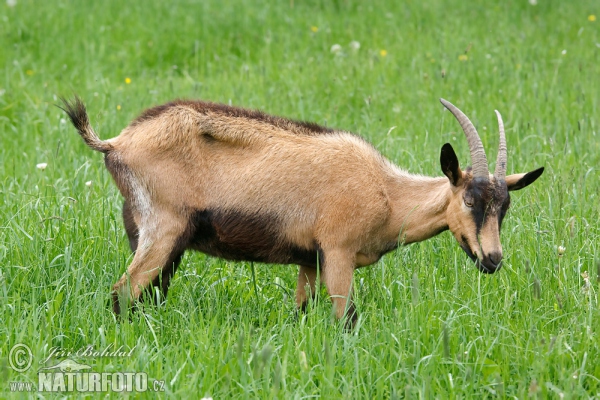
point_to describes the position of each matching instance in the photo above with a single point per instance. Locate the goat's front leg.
(154, 263)
(337, 276)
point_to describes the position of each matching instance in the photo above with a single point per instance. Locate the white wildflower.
(42, 166)
(336, 48)
(586, 282)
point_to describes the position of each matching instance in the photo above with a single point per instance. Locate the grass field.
(431, 326)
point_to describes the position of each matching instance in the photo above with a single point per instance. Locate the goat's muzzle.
(489, 264)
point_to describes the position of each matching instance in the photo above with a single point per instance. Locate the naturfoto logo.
(60, 372)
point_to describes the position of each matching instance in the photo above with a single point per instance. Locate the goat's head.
(480, 200)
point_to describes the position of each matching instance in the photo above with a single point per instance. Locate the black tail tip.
(76, 111)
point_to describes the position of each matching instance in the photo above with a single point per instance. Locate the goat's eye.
(469, 203)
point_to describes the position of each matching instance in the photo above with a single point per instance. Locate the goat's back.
(201, 156)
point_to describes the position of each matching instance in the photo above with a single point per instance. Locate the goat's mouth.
(486, 265)
(487, 268)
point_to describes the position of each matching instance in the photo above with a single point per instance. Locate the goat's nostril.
(495, 258)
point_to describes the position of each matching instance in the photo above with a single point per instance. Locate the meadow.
(431, 326)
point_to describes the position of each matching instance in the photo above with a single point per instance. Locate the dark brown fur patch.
(299, 127)
(241, 237)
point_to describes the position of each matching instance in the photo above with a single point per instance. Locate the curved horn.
(500, 172)
(478, 159)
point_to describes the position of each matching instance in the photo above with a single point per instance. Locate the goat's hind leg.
(156, 258)
(163, 280)
(307, 277)
(131, 227)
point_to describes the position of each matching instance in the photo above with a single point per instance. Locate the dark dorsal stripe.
(299, 127)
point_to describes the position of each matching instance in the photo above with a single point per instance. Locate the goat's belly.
(237, 236)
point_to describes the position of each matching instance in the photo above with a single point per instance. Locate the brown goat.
(244, 185)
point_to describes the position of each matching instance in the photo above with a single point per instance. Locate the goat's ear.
(449, 163)
(519, 181)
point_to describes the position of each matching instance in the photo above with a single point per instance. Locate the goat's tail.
(75, 109)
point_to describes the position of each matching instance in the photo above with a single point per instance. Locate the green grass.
(430, 324)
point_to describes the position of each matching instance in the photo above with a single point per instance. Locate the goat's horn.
(500, 172)
(478, 159)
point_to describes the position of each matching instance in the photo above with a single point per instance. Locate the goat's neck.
(418, 207)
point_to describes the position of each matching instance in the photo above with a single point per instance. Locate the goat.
(244, 185)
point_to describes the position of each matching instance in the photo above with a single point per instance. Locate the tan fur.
(333, 189)
(307, 277)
